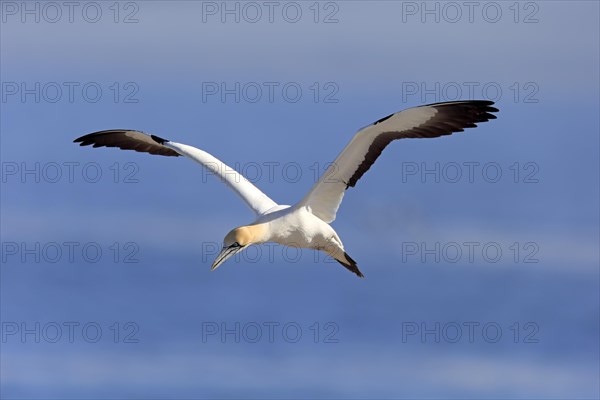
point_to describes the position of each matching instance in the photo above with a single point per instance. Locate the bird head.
(237, 240)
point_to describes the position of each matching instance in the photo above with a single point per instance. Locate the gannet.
(307, 223)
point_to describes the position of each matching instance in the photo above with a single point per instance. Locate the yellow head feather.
(244, 235)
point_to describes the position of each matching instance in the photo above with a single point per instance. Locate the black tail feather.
(351, 265)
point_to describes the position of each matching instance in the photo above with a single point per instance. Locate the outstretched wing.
(428, 121)
(139, 141)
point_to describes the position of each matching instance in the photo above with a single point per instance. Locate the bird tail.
(350, 264)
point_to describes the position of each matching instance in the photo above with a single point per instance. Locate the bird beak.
(225, 253)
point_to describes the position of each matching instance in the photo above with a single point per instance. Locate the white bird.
(306, 224)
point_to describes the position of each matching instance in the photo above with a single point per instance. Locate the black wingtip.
(486, 103)
(87, 139)
(380, 120)
(82, 138)
(158, 139)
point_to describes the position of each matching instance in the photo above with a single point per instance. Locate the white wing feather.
(254, 197)
(139, 141)
(432, 120)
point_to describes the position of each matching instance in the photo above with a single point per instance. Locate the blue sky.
(538, 60)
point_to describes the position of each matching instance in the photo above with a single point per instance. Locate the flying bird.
(307, 223)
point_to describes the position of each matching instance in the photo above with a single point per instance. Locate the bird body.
(307, 223)
(298, 227)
